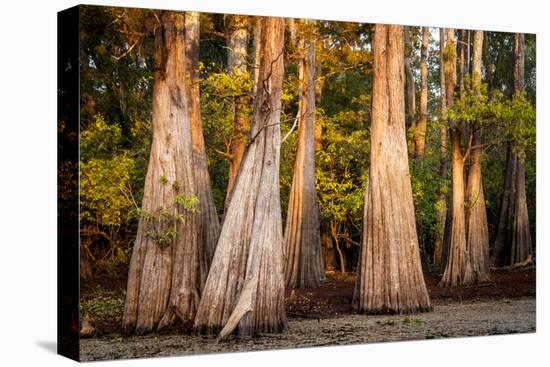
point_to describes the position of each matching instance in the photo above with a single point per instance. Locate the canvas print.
(230, 183)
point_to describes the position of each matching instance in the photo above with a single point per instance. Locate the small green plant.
(163, 180)
(161, 226)
(189, 203)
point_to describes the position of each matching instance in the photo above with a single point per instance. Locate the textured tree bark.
(208, 221)
(411, 90)
(449, 67)
(245, 286)
(237, 43)
(457, 270)
(389, 277)
(442, 200)
(420, 131)
(513, 240)
(164, 275)
(477, 231)
(521, 247)
(304, 266)
(256, 46)
(462, 71)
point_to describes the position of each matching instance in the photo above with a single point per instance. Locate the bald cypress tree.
(164, 275)
(389, 276)
(245, 286)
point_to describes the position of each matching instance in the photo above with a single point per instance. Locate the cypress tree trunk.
(457, 264)
(245, 286)
(164, 275)
(208, 222)
(477, 238)
(389, 277)
(449, 67)
(304, 266)
(442, 200)
(420, 131)
(411, 92)
(457, 269)
(521, 248)
(501, 248)
(237, 43)
(513, 240)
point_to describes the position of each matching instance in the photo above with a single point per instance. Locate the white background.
(28, 181)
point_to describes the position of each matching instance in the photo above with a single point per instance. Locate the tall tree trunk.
(208, 221)
(500, 253)
(245, 286)
(256, 46)
(411, 90)
(457, 267)
(420, 131)
(477, 231)
(449, 67)
(164, 275)
(442, 200)
(237, 43)
(521, 236)
(461, 47)
(390, 276)
(304, 266)
(513, 240)
(521, 248)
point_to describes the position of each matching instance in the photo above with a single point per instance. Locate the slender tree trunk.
(462, 64)
(411, 90)
(477, 231)
(513, 240)
(449, 67)
(304, 266)
(164, 275)
(420, 131)
(208, 221)
(390, 276)
(442, 200)
(521, 236)
(256, 46)
(245, 286)
(237, 43)
(501, 248)
(341, 255)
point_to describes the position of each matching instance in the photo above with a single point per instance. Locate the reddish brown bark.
(420, 131)
(477, 230)
(442, 200)
(237, 64)
(411, 89)
(390, 277)
(208, 221)
(164, 275)
(304, 266)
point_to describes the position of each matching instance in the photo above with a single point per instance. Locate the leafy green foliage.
(117, 83)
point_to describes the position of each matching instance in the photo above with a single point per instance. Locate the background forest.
(116, 112)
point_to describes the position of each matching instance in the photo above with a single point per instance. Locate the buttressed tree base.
(235, 182)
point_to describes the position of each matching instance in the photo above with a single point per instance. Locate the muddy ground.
(323, 316)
